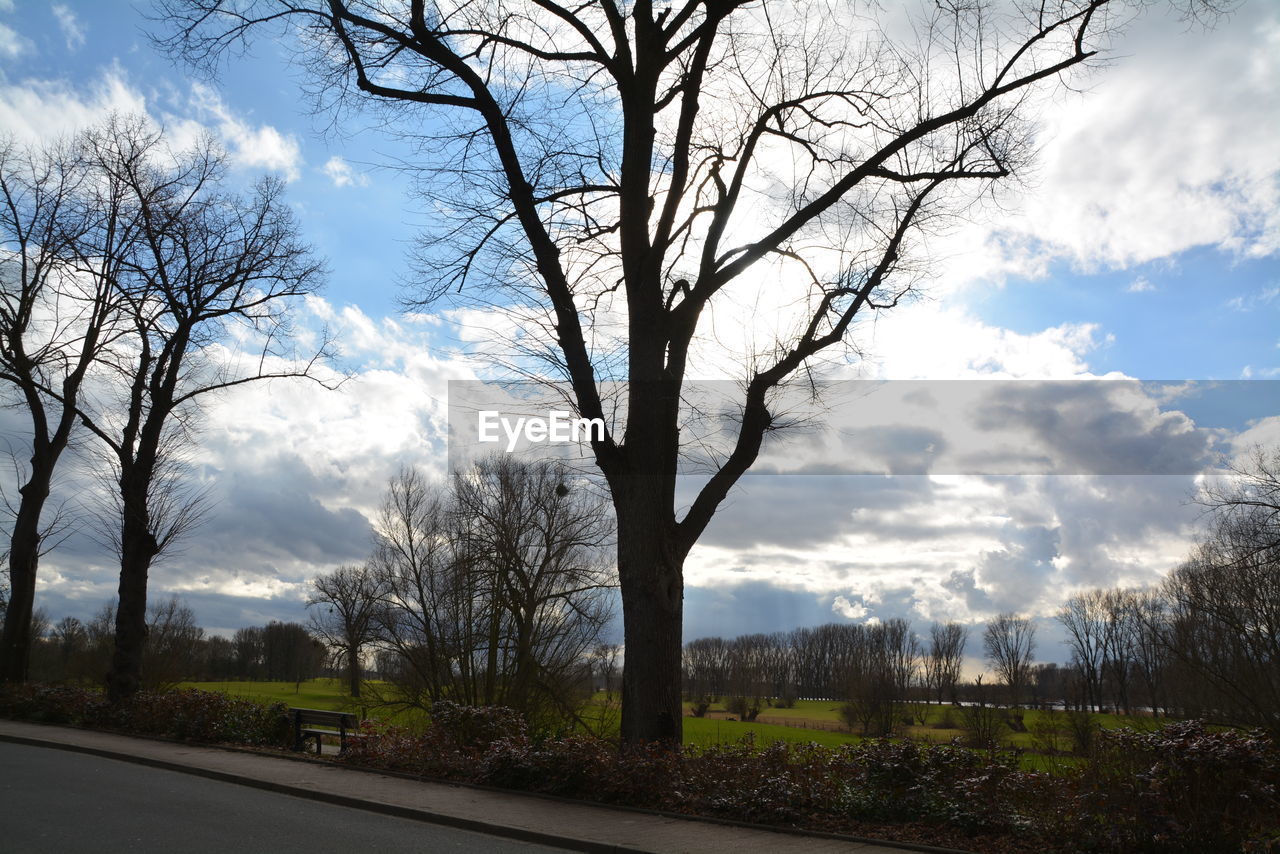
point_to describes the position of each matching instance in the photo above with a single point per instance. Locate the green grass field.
(705, 732)
(314, 694)
(702, 732)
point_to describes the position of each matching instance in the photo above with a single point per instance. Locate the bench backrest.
(323, 717)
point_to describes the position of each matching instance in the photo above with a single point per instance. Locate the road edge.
(426, 815)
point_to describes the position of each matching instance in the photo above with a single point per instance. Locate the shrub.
(746, 708)
(1177, 789)
(1084, 730)
(1050, 733)
(190, 715)
(476, 727)
(981, 724)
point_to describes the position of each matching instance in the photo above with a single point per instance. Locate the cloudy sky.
(1145, 246)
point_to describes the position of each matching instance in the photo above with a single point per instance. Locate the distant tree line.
(176, 649)
(873, 668)
(1205, 643)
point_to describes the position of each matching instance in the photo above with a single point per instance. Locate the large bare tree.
(625, 171)
(1222, 629)
(57, 314)
(206, 263)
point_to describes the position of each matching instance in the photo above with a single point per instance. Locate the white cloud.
(1163, 154)
(929, 341)
(850, 610)
(1157, 156)
(36, 110)
(1140, 285)
(1248, 302)
(341, 174)
(250, 147)
(12, 45)
(72, 29)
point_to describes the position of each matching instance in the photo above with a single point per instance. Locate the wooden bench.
(318, 723)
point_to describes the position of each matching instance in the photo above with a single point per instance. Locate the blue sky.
(1145, 245)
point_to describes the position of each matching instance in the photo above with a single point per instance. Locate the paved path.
(59, 802)
(576, 826)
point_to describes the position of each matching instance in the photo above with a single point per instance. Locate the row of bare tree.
(874, 667)
(132, 285)
(490, 589)
(177, 649)
(1206, 641)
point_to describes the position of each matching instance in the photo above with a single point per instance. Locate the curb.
(426, 815)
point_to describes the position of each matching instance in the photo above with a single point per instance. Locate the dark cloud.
(276, 514)
(1095, 428)
(752, 606)
(803, 512)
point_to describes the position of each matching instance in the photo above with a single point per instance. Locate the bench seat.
(318, 723)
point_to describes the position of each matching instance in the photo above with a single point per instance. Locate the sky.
(1143, 246)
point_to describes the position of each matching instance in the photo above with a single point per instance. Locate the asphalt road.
(64, 802)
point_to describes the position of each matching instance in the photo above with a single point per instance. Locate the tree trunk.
(24, 559)
(353, 672)
(652, 580)
(138, 548)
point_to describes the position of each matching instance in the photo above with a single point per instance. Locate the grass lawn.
(327, 694)
(312, 694)
(331, 694)
(707, 731)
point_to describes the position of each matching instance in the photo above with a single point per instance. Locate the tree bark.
(651, 572)
(353, 673)
(138, 548)
(24, 559)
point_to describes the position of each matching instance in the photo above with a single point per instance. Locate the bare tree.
(72, 641)
(496, 590)
(1151, 659)
(879, 672)
(617, 172)
(173, 646)
(345, 603)
(1253, 488)
(57, 310)
(1010, 644)
(746, 674)
(1223, 624)
(1083, 618)
(427, 598)
(289, 653)
(205, 262)
(705, 666)
(946, 655)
